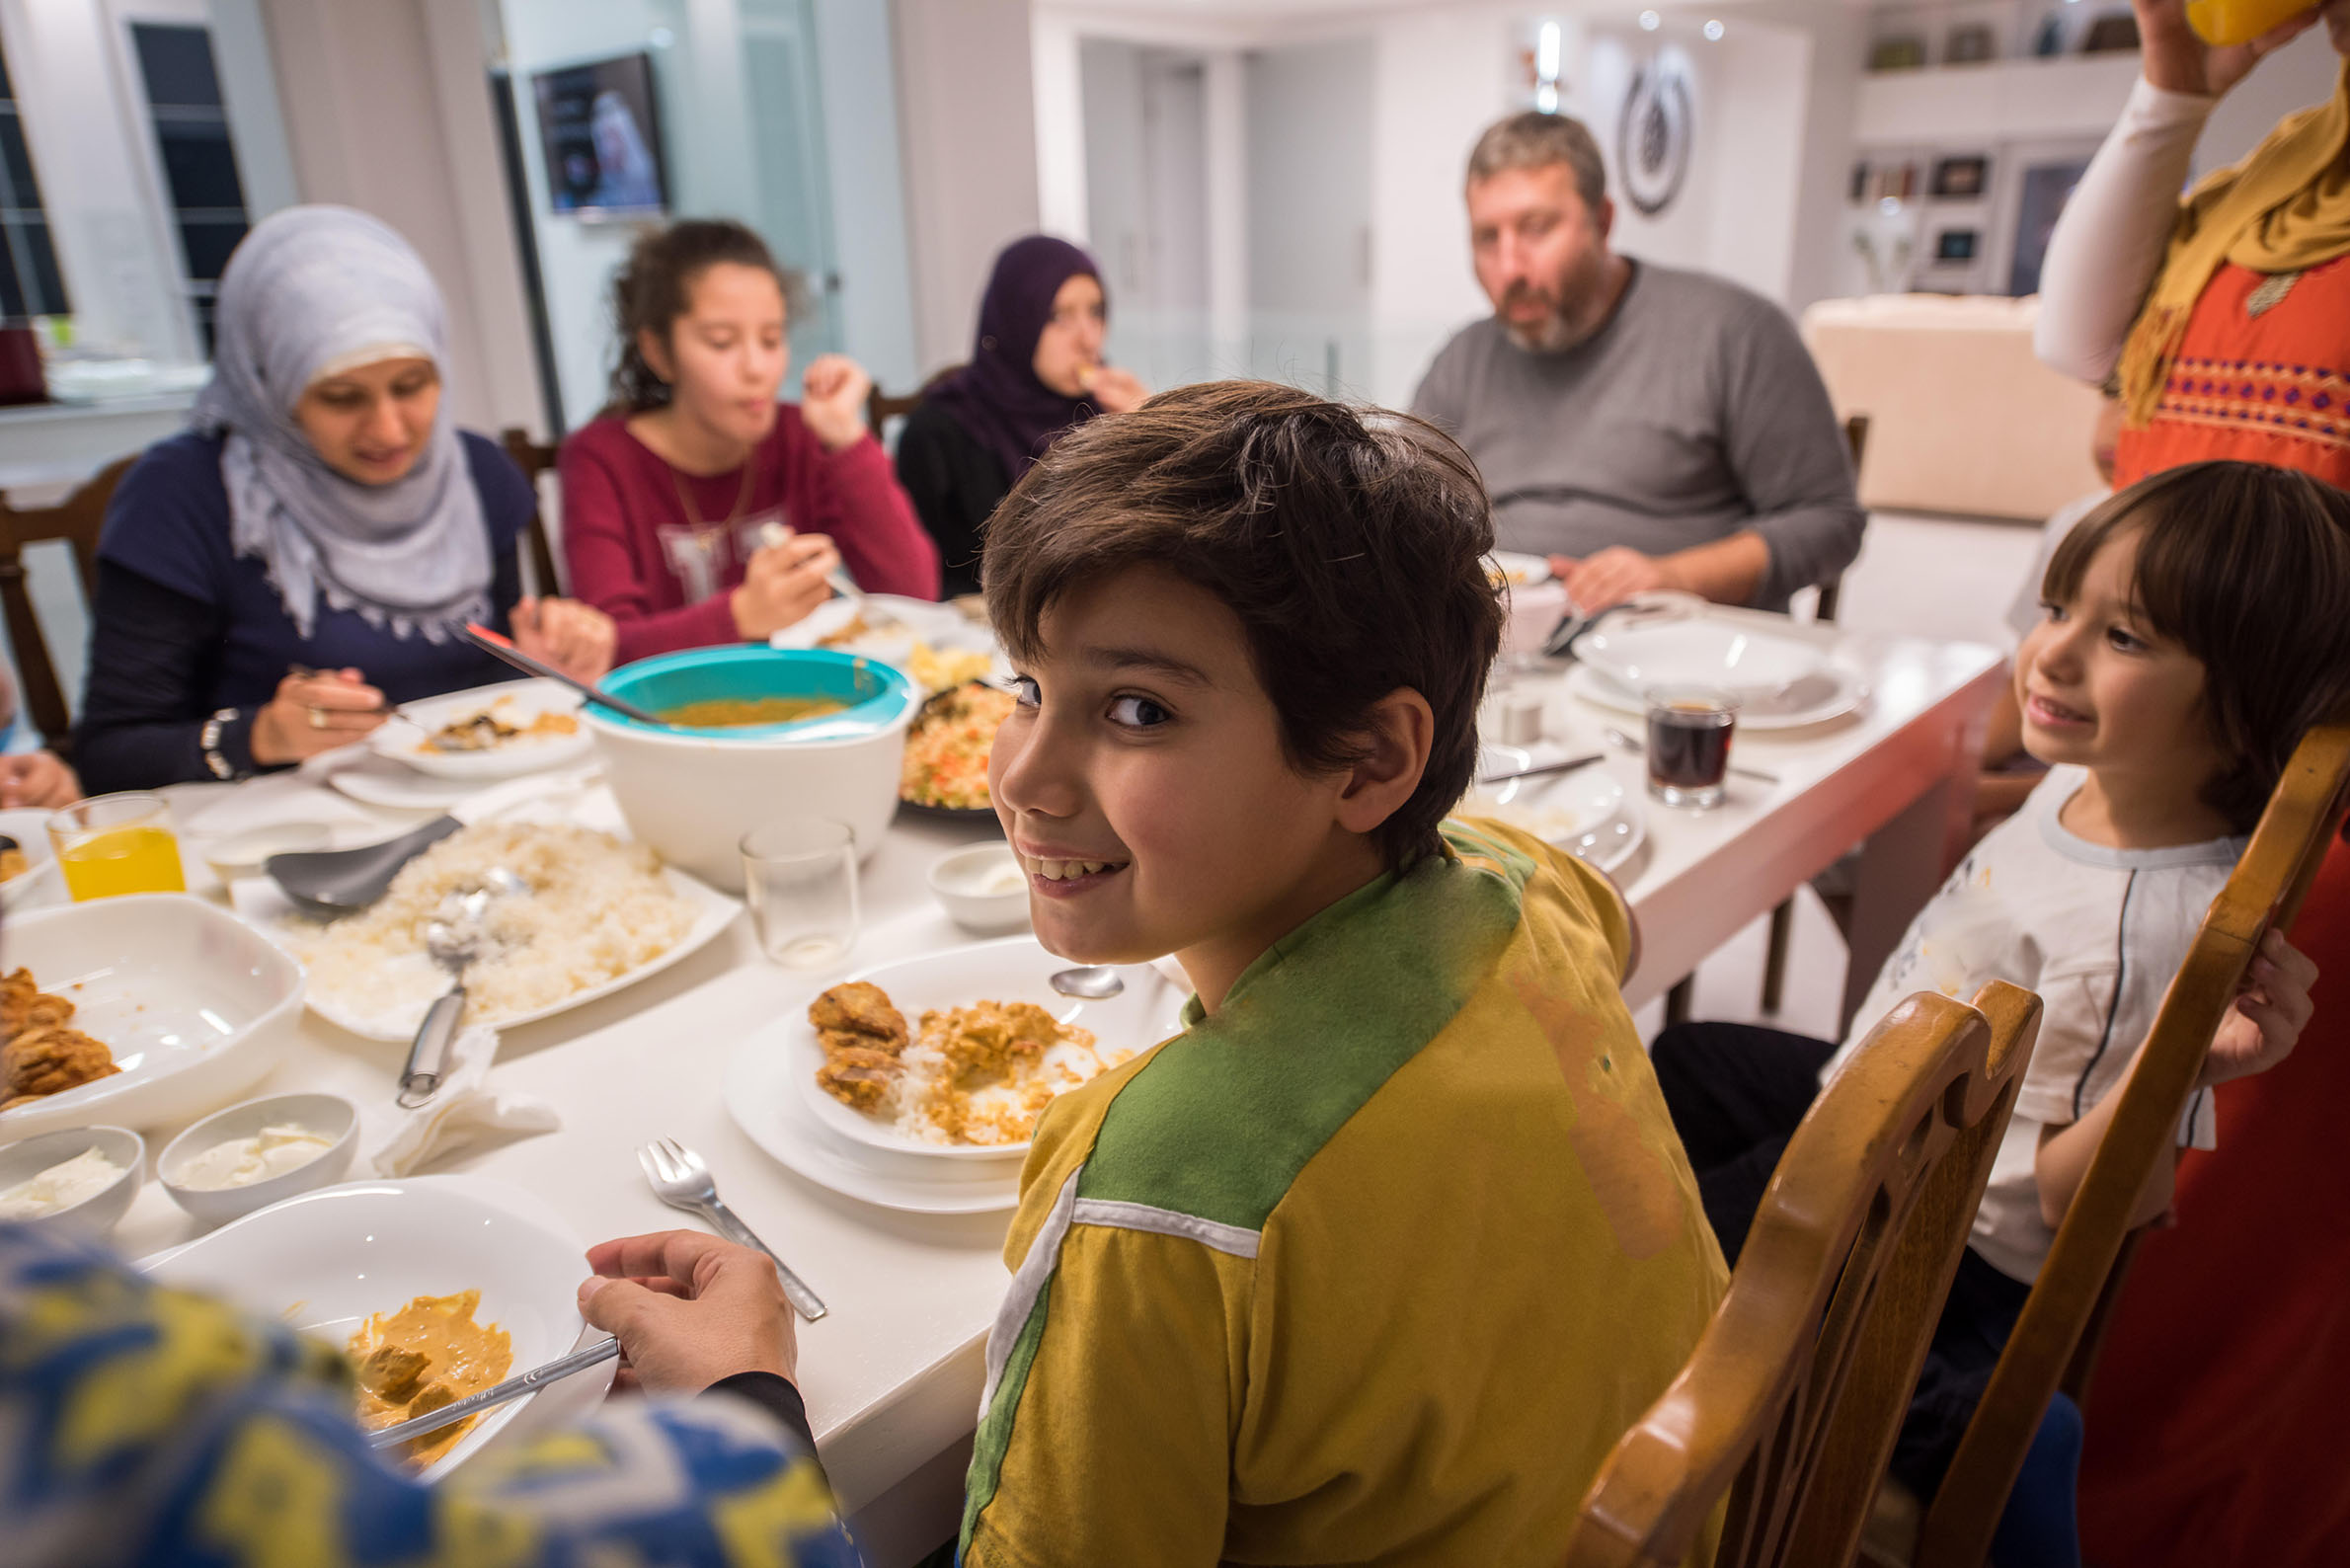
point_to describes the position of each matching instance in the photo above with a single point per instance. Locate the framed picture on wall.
(1960, 179)
(1896, 54)
(601, 135)
(1956, 247)
(2046, 189)
(1969, 43)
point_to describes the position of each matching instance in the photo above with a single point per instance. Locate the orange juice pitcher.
(2241, 21)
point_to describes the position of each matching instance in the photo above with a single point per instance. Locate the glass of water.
(800, 878)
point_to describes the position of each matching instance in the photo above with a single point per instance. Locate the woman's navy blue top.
(181, 627)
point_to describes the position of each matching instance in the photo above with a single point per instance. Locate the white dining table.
(892, 1377)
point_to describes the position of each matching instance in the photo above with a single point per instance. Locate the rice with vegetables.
(946, 751)
(598, 909)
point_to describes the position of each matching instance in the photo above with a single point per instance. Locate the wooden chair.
(2057, 1337)
(1782, 918)
(1789, 1405)
(881, 408)
(535, 459)
(77, 520)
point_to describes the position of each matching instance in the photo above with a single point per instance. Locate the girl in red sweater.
(669, 496)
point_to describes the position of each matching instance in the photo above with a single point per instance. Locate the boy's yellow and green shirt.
(1375, 1265)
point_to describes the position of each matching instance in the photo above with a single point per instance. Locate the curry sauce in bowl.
(751, 734)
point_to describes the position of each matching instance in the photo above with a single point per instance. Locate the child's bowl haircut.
(1351, 543)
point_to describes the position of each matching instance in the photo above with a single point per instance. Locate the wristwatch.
(208, 739)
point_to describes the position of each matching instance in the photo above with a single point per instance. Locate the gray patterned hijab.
(322, 289)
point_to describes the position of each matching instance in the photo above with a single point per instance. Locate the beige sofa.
(1962, 418)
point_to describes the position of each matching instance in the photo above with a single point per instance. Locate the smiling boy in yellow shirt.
(1375, 1260)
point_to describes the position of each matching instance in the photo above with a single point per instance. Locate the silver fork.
(681, 1180)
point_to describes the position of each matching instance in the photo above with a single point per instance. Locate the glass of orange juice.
(110, 844)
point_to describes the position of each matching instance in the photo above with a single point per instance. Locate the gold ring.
(318, 718)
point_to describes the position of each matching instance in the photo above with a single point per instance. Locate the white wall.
(967, 111)
(386, 109)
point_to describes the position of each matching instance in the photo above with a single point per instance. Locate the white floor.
(1926, 576)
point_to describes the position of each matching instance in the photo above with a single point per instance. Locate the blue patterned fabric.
(144, 1425)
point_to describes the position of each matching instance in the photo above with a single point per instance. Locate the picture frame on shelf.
(1957, 247)
(1961, 178)
(1969, 43)
(2114, 32)
(1903, 52)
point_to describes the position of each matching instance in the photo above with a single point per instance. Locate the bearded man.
(1645, 427)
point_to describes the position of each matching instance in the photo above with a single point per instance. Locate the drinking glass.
(1688, 745)
(800, 877)
(112, 844)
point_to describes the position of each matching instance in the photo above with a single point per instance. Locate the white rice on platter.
(598, 907)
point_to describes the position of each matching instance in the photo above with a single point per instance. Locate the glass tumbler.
(800, 878)
(112, 844)
(1688, 745)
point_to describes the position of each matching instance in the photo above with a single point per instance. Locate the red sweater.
(664, 575)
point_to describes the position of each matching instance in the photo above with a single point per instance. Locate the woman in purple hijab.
(1034, 372)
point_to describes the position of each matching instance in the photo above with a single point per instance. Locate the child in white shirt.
(2192, 631)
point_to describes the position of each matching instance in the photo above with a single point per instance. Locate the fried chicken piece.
(429, 1398)
(21, 1099)
(859, 1007)
(859, 1077)
(393, 1374)
(49, 1061)
(17, 992)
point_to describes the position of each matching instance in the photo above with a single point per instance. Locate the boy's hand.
(690, 1309)
(2269, 1014)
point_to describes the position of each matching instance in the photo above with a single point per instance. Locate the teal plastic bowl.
(692, 794)
(876, 696)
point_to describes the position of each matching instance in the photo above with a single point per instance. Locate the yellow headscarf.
(2284, 209)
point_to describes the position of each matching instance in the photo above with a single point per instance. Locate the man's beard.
(1569, 320)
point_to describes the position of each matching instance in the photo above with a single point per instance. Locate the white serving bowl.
(322, 1262)
(960, 883)
(31, 830)
(692, 794)
(330, 1116)
(236, 856)
(197, 1006)
(1698, 651)
(99, 1213)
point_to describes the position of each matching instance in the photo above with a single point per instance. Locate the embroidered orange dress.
(2219, 1421)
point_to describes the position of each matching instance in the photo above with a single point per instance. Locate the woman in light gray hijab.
(309, 550)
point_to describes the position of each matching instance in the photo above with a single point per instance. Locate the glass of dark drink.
(1688, 745)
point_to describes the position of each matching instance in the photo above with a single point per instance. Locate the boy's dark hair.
(2247, 568)
(655, 286)
(1351, 543)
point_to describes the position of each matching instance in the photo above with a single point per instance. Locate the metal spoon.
(1617, 738)
(455, 938)
(1091, 982)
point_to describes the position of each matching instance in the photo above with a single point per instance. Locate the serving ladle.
(331, 883)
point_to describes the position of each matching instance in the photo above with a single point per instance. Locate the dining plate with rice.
(957, 1054)
(947, 750)
(504, 730)
(935, 645)
(601, 914)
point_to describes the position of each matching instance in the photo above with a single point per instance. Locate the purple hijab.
(998, 397)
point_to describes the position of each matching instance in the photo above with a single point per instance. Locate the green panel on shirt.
(1220, 1121)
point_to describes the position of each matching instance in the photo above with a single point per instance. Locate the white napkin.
(466, 1109)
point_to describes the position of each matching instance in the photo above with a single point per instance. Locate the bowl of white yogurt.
(983, 888)
(251, 1155)
(82, 1179)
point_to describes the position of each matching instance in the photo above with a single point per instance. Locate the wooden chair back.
(1789, 1405)
(77, 519)
(1855, 442)
(535, 459)
(880, 406)
(2055, 1341)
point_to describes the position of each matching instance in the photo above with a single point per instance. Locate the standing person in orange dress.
(2217, 1431)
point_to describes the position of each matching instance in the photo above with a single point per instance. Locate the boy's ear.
(1396, 737)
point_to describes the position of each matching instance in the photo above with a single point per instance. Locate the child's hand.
(2269, 1014)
